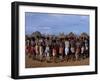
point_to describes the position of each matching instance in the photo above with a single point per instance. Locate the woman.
(27, 47)
(40, 52)
(54, 53)
(77, 53)
(37, 50)
(66, 49)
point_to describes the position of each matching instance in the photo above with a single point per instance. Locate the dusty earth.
(30, 63)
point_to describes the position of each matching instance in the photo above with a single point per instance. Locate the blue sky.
(55, 23)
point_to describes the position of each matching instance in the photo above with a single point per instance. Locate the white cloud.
(45, 27)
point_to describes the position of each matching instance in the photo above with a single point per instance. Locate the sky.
(52, 23)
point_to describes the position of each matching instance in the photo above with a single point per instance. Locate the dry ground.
(30, 63)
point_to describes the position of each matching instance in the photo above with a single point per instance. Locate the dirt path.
(30, 63)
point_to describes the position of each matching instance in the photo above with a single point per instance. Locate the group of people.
(58, 49)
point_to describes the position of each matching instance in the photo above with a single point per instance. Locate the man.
(61, 51)
(72, 49)
(47, 53)
(78, 49)
(54, 52)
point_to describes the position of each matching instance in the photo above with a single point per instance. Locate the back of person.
(61, 50)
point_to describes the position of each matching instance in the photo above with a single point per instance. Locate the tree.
(36, 34)
(84, 35)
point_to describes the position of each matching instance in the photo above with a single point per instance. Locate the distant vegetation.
(38, 35)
